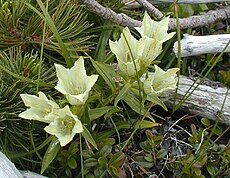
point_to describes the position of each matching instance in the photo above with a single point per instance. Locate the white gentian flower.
(161, 81)
(127, 50)
(74, 83)
(65, 126)
(156, 30)
(151, 50)
(41, 109)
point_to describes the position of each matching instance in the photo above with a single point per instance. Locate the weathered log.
(196, 45)
(205, 101)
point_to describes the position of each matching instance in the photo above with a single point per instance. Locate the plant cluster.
(67, 114)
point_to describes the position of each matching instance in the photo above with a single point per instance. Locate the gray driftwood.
(196, 45)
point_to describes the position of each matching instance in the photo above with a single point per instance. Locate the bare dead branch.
(109, 14)
(210, 17)
(132, 4)
(151, 9)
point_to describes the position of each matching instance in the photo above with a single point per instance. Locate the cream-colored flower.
(161, 81)
(128, 51)
(74, 83)
(156, 30)
(41, 108)
(151, 50)
(64, 126)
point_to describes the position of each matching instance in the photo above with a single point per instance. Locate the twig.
(186, 1)
(109, 14)
(210, 17)
(131, 4)
(151, 9)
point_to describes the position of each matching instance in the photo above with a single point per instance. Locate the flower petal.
(161, 81)
(74, 83)
(40, 107)
(65, 126)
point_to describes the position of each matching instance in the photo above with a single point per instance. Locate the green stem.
(82, 162)
(42, 49)
(179, 48)
(136, 127)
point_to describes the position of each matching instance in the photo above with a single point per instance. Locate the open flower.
(161, 81)
(128, 51)
(74, 83)
(41, 108)
(64, 126)
(156, 30)
(151, 49)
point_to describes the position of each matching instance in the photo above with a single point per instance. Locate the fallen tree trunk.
(205, 101)
(196, 45)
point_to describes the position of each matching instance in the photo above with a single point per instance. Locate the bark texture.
(205, 101)
(210, 17)
(196, 45)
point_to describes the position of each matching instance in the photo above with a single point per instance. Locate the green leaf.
(122, 93)
(117, 159)
(205, 121)
(143, 163)
(85, 118)
(161, 153)
(88, 154)
(203, 7)
(50, 154)
(187, 10)
(52, 26)
(105, 151)
(106, 72)
(112, 171)
(154, 99)
(91, 162)
(99, 172)
(100, 53)
(211, 170)
(72, 163)
(102, 161)
(86, 134)
(146, 124)
(197, 171)
(131, 99)
(98, 112)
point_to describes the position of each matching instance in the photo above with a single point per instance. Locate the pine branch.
(210, 17)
